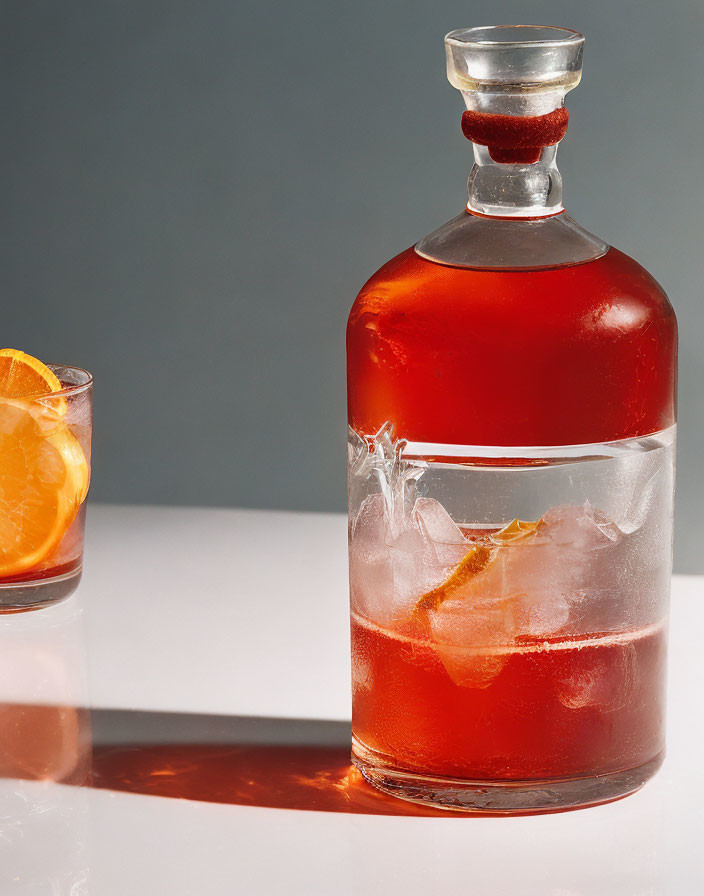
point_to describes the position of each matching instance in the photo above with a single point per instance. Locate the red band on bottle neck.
(515, 139)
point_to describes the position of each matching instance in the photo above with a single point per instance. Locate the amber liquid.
(556, 709)
(567, 356)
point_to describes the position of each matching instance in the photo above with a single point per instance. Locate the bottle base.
(500, 797)
(16, 597)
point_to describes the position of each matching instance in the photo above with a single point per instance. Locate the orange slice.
(43, 481)
(44, 474)
(22, 376)
(471, 632)
(474, 562)
(516, 530)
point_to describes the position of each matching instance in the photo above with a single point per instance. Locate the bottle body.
(510, 481)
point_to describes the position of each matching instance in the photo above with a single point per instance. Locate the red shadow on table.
(299, 764)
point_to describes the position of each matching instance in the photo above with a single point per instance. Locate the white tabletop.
(222, 635)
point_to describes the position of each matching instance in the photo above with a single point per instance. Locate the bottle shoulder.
(471, 240)
(613, 290)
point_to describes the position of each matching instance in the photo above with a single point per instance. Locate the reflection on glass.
(45, 744)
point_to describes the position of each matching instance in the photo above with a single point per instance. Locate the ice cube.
(535, 580)
(579, 528)
(387, 568)
(369, 530)
(447, 541)
(543, 618)
(646, 488)
(529, 588)
(391, 567)
(470, 668)
(604, 678)
(473, 638)
(371, 575)
(562, 570)
(599, 570)
(436, 522)
(362, 671)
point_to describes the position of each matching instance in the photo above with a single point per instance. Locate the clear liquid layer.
(592, 553)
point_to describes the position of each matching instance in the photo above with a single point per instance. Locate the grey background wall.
(192, 193)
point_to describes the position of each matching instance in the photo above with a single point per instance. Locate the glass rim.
(69, 389)
(464, 37)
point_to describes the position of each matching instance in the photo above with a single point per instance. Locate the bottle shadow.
(48, 737)
(301, 764)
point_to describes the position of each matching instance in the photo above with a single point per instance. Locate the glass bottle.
(511, 399)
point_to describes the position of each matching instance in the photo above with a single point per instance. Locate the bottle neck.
(515, 218)
(503, 190)
(515, 134)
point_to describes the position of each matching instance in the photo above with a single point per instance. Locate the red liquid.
(581, 353)
(579, 708)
